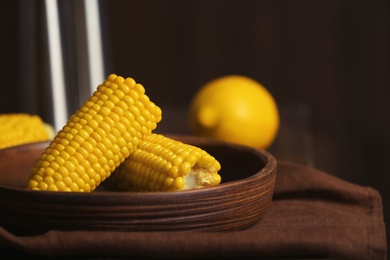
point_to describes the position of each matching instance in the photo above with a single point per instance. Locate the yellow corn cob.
(97, 138)
(22, 128)
(162, 164)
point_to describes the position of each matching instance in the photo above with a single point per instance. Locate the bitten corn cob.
(97, 138)
(22, 128)
(162, 164)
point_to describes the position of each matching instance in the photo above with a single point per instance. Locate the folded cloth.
(313, 215)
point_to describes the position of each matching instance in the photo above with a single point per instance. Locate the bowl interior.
(238, 162)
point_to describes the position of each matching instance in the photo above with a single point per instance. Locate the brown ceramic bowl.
(243, 197)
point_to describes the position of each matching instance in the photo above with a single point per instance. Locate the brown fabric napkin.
(313, 215)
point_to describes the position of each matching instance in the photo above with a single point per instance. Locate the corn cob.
(162, 164)
(97, 138)
(22, 128)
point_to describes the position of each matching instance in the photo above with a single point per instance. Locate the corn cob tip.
(199, 177)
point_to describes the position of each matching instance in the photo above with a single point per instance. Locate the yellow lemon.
(235, 109)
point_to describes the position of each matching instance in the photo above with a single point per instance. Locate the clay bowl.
(243, 197)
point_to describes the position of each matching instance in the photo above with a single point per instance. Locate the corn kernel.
(178, 183)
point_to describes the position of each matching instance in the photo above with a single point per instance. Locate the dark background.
(325, 62)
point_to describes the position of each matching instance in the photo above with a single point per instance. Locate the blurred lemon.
(235, 109)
